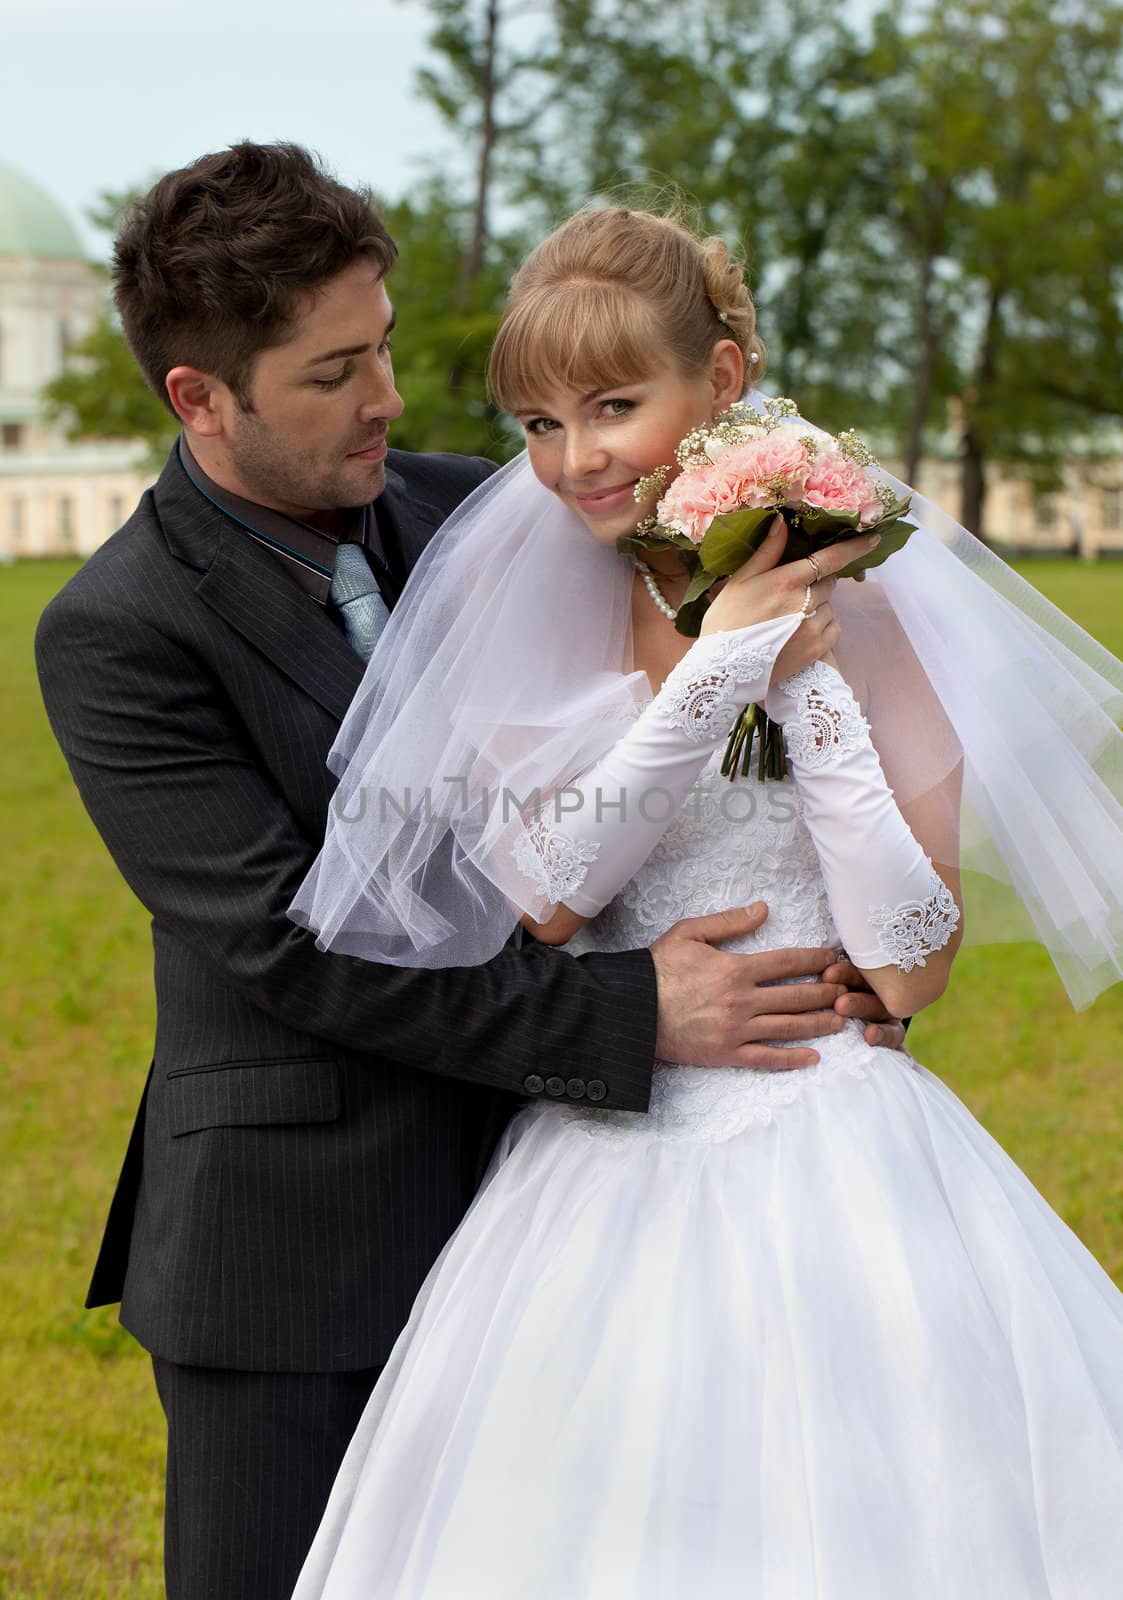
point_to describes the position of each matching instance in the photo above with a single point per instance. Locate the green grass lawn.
(80, 1491)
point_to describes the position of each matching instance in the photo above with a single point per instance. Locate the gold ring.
(816, 569)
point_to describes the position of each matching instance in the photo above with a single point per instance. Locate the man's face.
(322, 402)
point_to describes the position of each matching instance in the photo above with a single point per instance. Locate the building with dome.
(57, 497)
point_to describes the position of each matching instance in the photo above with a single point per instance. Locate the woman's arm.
(591, 837)
(900, 915)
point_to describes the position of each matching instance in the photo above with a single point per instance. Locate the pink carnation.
(836, 483)
(695, 498)
(769, 471)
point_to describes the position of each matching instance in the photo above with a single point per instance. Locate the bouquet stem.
(753, 724)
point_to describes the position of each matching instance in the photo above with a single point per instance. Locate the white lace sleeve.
(908, 932)
(596, 832)
(713, 683)
(823, 723)
(889, 904)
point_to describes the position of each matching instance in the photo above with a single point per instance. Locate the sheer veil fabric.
(506, 671)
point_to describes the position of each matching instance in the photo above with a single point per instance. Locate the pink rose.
(838, 484)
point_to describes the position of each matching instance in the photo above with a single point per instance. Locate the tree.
(438, 334)
(102, 394)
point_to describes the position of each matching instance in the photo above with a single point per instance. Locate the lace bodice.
(731, 844)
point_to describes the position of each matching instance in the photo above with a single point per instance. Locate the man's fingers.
(789, 997)
(793, 1025)
(767, 1058)
(790, 963)
(845, 972)
(886, 1035)
(866, 1007)
(720, 925)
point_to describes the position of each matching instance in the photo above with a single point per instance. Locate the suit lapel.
(410, 518)
(246, 586)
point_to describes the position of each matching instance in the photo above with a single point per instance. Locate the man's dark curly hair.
(212, 266)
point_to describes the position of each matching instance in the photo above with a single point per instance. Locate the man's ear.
(727, 374)
(199, 400)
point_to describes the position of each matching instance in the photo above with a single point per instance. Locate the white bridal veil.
(506, 671)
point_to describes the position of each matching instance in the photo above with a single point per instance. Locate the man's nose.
(382, 399)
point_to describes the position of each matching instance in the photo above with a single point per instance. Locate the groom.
(313, 1127)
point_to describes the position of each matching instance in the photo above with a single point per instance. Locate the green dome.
(32, 224)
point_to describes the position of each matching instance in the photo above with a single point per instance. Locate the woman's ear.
(727, 374)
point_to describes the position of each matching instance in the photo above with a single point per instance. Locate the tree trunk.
(922, 390)
(973, 482)
(928, 331)
(472, 259)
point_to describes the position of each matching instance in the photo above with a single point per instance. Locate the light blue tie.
(355, 594)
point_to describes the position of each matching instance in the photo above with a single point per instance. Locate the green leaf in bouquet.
(894, 536)
(819, 522)
(688, 618)
(641, 544)
(898, 508)
(731, 539)
(700, 584)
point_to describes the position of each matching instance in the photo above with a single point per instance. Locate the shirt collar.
(308, 553)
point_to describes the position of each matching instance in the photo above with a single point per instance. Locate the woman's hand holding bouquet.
(750, 470)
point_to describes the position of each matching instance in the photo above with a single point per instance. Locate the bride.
(803, 1335)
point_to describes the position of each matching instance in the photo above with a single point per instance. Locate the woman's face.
(592, 449)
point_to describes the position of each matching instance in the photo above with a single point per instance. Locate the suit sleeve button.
(555, 1086)
(534, 1084)
(575, 1088)
(595, 1089)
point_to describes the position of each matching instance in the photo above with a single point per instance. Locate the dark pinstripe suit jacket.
(313, 1126)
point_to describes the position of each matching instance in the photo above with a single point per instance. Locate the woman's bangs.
(580, 336)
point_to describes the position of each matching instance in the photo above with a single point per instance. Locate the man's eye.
(385, 347)
(333, 383)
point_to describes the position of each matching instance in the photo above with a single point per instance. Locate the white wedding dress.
(788, 1336)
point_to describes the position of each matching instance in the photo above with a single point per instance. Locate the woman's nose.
(584, 455)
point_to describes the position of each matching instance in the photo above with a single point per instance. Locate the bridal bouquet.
(736, 476)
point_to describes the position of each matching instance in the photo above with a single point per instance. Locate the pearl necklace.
(654, 591)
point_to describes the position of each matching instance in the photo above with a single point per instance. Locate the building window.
(1045, 511)
(66, 520)
(15, 519)
(65, 339)
(116, 512)
(12, 435)
(1112, 508)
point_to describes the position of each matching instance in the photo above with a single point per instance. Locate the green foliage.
(436, 336)
(101, 394)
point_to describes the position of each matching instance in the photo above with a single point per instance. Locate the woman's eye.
(619, 407)
(540, 425)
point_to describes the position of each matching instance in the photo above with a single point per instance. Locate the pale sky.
(104, 94)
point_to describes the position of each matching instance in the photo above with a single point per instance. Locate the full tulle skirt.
(806, 1336)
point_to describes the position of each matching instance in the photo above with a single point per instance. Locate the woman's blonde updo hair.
(611, 294)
